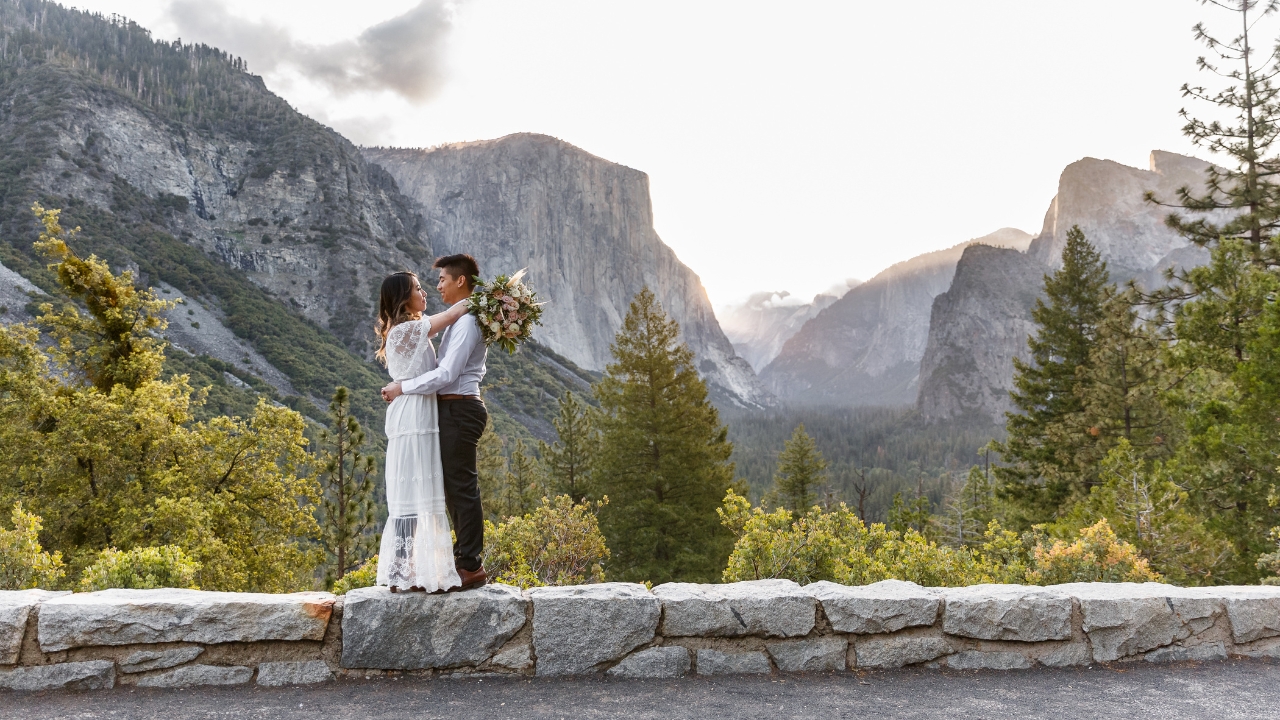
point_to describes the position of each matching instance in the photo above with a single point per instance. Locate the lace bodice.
(409, 351)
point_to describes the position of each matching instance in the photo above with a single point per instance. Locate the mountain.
(180, 165)
(583, 226)
(760, 326)
(865, 348)
(981, 323)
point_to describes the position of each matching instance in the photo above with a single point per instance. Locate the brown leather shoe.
(470, 579)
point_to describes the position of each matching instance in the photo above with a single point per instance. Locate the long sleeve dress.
(417, 549)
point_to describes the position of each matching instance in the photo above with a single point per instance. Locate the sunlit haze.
(789, 145)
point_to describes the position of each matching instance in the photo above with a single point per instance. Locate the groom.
(456, 382)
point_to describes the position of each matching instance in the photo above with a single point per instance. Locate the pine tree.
(347, 510)
(1042, 475)
(802, 471)
(510, 486)
(970, 509)
(568, 460)
(664, 457)
(1123, 395)
(1247, 191)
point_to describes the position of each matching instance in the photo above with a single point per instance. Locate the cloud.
(404, 55)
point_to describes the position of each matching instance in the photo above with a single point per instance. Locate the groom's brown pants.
(462, 421)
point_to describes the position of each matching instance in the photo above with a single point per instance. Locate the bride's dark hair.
(393, 307)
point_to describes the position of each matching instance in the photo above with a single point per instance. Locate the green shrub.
(1096, 556)
(837, 546)
(23, 563)
(559, 543)
(141, 568)
(365, 576)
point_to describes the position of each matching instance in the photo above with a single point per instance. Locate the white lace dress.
(417, 549)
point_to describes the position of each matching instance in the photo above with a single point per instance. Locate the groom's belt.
(458, 397)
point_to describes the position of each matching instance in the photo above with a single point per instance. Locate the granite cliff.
(982, 322)
(179, 164)
(583, 226)
(865, 348)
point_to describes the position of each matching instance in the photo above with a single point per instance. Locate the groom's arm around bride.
(463, 417)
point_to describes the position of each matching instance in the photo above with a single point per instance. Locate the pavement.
(1229, 689)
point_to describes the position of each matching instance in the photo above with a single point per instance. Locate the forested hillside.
(883, 451)
(177, 162)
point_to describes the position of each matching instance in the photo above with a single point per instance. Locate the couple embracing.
(434, 422)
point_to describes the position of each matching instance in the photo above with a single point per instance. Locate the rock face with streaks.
(583, 226)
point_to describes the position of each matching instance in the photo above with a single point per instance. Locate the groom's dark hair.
(459, 265)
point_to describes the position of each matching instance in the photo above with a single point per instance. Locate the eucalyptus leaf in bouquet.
(506, 310)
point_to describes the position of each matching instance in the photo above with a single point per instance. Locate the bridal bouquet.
(506, 310)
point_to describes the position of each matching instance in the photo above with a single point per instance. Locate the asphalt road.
(1232, 689)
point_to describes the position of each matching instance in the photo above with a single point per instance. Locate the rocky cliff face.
(982, 322)
(318, 234)
(976, 328)
(865, 348)
(584, 228)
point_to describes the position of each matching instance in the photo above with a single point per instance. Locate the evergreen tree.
(1123, 395)
(664, 458)
(801, 473)
(347, 509)
(1042, 475)
(510, 486)
(1247, 191)
(568, 460)
(970, 510)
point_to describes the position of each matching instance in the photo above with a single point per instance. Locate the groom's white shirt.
(461, 365)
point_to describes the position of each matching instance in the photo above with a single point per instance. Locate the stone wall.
(173, 638)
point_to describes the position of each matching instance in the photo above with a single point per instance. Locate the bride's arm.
(448, 317)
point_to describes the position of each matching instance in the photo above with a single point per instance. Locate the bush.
(23, 563)
(142, 569)
(837, 546)
(559, 543)
(365, 576)
(1096, 556)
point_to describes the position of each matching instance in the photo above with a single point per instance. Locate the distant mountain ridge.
(759, 326)
(865, 348)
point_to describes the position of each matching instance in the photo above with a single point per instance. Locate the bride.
(417, 549)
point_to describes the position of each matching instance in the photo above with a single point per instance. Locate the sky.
(789, 146)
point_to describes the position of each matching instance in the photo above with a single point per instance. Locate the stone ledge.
(1023, 613)
(132, 617)
(15, 608)
(417, 631)
(883, 607)
(769, 608)
(577, 628)
(152, 637)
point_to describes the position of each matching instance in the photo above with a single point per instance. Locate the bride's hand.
(391, 392)
(443, 320)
